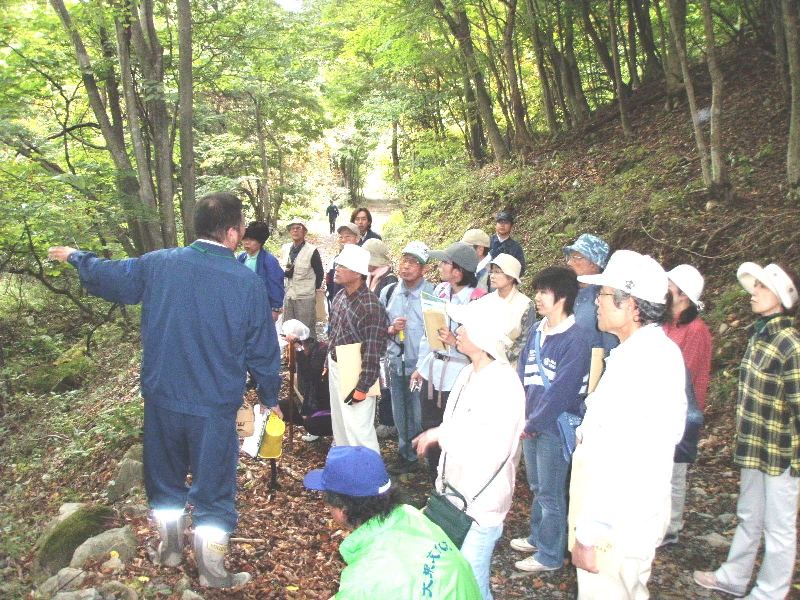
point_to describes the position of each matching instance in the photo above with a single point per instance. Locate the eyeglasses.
(605, 293)
(575, 257)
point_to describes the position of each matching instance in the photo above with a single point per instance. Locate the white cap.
(297, 221)
(354, 258)
(509, 265)
(418, 250)
(295, 328)
(689, 281)
(484, 330)
(636, 274)
(772, 277)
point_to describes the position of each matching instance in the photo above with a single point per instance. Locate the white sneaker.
(531, 565)
(307, 437)
(522, 545)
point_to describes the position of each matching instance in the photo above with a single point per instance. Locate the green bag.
(454, 521)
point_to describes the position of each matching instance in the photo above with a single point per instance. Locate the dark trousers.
(432, 416)
(385, 415)
(332, 223)
(176, 444)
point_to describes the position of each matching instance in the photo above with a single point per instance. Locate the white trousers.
(678, 498)
(626, 581)
(353, 424)
(767, 505)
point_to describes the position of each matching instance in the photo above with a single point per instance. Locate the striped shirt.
(768, 407)
(360, 317)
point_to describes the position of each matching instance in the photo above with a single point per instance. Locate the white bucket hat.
(689, 281)
(637, 274)
(354, 258)
(509, 265)
(483, 329)
(773, 277)
(295, 328)
(296, 221)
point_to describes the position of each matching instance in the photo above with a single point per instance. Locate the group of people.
(599, 382)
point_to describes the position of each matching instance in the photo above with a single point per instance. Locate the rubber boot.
(210, 556)
(170, 548)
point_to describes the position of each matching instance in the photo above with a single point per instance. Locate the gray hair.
(649, 312)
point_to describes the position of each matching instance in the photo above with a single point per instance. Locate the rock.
(726, 518)
(135, 452)
(184, 583)
(115, 590)
(87, 594)
(121, 539)
(130, 474)
(56, 546)
(714, 540)
(65, 580)
(190, 595)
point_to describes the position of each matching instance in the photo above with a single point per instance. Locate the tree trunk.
(544, 80)
(781, 50)
(580, 106)
(459, 27)
(633, 68)
(621, 99)
(523, 143)
(792, 28)
(151, 60)
(395, 153)
(680, 43)
(719, 175)
(263, 211)
(672, 64)
(600, 46)
(477, 141)
(186, 118)
(652, 66)
(145, 236)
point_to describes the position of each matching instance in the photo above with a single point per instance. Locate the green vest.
(404, 557)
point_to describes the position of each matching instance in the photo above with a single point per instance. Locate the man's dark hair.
(688, 314)
(792, 274)
(468, 278)
(258, 231)
(649, 312)
(359, 510)
(562, 281)
(215, 213)
(363, 209)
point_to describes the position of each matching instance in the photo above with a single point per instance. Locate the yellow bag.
(272, 440)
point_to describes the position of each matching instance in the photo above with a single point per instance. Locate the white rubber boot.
(171, 527)
(210, 551)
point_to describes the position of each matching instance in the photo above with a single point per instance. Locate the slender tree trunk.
(459, 26)
(633, 67)
(621, 99)
(600, 45)
(719, 175)
(151, 60)
(264, 197)
(652, 66)
(395, 152)
(580, 106)
(781, 50)
(186, 119)
(523, 142)
(672, 64)
(144, 235)
(544, 80)
(792, 28)
(680, 43)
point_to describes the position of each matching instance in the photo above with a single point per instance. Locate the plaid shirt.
(360, 317)
(768, 409)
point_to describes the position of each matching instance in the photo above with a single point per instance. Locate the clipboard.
(348, 359)
(434, 320)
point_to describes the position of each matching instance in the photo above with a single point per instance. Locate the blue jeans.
(405, 405)
(478, 548)
(547, 477)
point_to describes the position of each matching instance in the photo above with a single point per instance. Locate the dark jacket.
(269, 270)
(205, 322)
(369, 235)
(510, 246)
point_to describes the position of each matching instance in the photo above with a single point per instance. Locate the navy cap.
(504, 215)
(352, 471)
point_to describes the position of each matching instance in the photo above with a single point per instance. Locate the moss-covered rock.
(55, 548)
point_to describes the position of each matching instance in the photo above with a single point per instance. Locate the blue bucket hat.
(351, 471)
(590, 246)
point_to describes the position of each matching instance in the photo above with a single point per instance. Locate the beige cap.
(509, 265)
(476, 237)
(378, 253)
(296, 221)
(352, 227)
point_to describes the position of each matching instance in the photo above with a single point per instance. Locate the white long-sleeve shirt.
(483, 420)
(633, 420)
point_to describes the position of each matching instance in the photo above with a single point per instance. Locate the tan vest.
(302, 283)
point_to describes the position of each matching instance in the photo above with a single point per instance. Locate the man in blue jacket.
(502, 242)
(263, 264)
(204, 323)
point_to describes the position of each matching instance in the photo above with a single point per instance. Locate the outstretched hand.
(60, 253)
